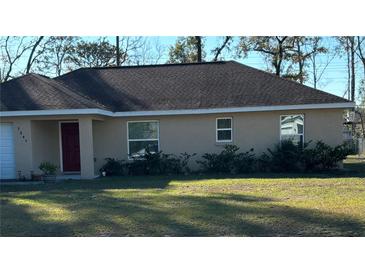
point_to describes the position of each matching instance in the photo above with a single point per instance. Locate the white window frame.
(143, 121)
(292, 134)
(225, 129)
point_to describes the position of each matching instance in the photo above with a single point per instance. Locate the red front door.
(70, 147)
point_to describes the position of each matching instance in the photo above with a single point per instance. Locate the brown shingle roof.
(36, 92)
(162, 87)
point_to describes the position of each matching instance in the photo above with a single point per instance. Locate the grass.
(326, 204)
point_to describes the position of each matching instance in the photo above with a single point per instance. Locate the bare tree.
(304, 48)
(218, 50)
(56, 50)
(150, 52)
(319, 66)
(361, 50)
(347, 46)
(130, 47)
(31, 59)
(361, 54)
(12, 51)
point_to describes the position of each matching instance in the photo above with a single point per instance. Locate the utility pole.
(118, 52)
(352, 87)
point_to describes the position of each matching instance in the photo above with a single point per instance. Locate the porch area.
(63, 141)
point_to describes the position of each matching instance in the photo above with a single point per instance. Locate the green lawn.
(330, 204)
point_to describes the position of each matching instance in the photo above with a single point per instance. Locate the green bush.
(228, 161)
(112, 167)
(156, 163)
(245, 162)
(289, 157)
(285, 157)
(184, 162)
(325, 157)
(48, 168)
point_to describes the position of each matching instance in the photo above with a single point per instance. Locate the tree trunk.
(30, 61)
(7, 75)
(199, 48)
(300, 61)
(348, 69)
(352, 44)
(360, 53)
(280, 55)
(314, 63)
(118, 51)
(278, 63)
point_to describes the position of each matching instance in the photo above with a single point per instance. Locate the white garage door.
(7, 156)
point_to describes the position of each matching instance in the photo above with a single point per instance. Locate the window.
(292, 128)
(142, 135)
(224, 129)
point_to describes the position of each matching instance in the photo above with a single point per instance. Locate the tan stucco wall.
(102, 137)
(196, 133)
(86, 147)
(45, 143)
(109, 138)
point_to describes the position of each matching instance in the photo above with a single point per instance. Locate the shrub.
(184, 162)
(112, 167)
(155, 163)
(222, 162)
(136, 167)
(48, 168)
(228, 161)
(286, 156)
(325, 157)
(245, 162)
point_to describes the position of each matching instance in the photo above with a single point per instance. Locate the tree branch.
(219, 50)
(30, 59)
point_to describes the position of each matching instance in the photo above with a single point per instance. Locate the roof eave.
(96, 111)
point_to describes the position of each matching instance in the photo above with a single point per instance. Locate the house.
(82, 117)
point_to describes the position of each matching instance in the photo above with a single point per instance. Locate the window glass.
(224, 123)
(292, 128)
(292, 124)
(224, 135)
(142, 136)
(143, 130)
(224, 130)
